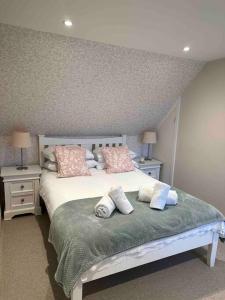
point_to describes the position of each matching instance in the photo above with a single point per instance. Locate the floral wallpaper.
(58, 85)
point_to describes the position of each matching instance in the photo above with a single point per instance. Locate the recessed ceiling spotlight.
(186, 49)
(68, 23)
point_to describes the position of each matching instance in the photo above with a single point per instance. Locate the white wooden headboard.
(90, 143)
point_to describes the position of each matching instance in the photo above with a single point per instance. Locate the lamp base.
(149, 157)
(22, 168)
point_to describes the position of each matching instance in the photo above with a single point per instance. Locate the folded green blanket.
(82, 240)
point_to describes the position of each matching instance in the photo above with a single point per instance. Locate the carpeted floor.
(28, 263)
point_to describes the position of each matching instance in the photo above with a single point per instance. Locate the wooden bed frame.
(88, 142)
(157, 249)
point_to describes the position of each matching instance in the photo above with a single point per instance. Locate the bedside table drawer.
(151, 172)
(22, 186)
(22, 200)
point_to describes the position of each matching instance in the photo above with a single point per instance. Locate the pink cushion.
(71, 161)
(117, 159)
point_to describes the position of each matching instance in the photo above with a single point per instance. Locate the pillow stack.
(117, 159)
(51, 162)
(109, 157)
(113, 159)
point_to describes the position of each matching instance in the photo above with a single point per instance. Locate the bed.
(56, 193)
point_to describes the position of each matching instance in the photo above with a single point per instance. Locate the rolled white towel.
(172, 198)
(145, 193)
(102, 165)
(122, 203)
(160, 194)
(104, 207)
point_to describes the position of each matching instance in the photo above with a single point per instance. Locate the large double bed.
(69, 200)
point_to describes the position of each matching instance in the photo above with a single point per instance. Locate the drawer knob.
(22, 187)
(22, 200)
(149, 173)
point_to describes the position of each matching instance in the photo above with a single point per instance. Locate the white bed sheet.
(56, 191)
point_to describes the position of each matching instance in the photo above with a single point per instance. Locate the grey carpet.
(28, 263)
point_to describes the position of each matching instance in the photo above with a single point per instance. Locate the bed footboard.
(165, 247)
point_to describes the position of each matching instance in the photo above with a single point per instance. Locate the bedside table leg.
(8, 216)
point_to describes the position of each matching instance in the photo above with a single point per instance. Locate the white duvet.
(56, 191)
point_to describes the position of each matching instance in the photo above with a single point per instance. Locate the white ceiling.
(162, 26)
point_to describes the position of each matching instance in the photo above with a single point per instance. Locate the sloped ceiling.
(54, 84)
(161, 26)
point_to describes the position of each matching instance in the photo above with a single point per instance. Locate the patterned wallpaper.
(57, 85)
(11, 156)
(54, 84)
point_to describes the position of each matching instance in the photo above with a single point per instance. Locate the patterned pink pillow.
(71, 161)
(117, 159)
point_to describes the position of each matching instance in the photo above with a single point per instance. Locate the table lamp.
(22, 140)
(149, 138)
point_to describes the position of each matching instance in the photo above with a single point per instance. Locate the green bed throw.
(82, 240)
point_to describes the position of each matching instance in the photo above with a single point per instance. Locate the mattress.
(56, 191)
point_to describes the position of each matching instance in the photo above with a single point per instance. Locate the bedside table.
(21, 191)
(151, 167)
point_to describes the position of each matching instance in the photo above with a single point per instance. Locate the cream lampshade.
(22, 140)
(149, 138)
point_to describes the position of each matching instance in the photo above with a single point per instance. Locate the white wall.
(200, 160)
(164, 150)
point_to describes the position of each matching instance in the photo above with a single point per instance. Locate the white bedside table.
(151, 167)
(21, 191)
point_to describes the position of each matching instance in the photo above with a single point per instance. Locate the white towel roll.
(172, 198)
(160, 194)
(122, 203)
(145, 193)
(104, 207)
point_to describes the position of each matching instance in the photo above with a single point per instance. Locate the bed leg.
(77, 292)
(212, 250)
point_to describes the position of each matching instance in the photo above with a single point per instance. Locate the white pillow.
(52, 166)
(49, 154)
(91, 163)
(89, 155)
(102, 165)
(136, 165)
(99, 156)
(133, 155)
